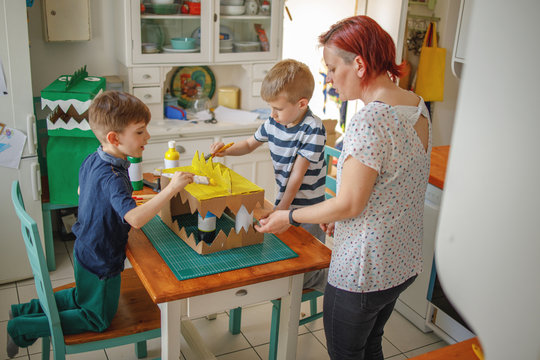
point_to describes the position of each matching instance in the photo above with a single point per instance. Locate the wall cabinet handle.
(146, 76)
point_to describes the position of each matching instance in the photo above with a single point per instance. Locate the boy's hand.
(180, 179)
(328, 228)
(215, 147)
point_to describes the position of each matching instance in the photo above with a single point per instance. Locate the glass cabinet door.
(247, 30)
(171, 31)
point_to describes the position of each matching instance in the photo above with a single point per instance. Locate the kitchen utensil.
(187, 79)
(170, 49)
(232, 2)
(232, 9)
(246, 46)
(183, 43)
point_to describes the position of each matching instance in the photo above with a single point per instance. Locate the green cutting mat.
(185, 263)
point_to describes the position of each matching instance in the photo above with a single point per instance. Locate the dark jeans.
(354, 322)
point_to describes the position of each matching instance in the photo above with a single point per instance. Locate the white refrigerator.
(16, 111)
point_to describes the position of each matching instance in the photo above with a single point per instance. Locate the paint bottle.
(207, 227)
(172, 156)
(135, 172)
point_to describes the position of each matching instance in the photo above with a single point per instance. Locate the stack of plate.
(225, 45)
(232, 9)
(149, 48)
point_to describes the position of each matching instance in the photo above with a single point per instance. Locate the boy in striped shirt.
(296, 139)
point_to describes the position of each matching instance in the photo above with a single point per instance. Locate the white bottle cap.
(172, 144)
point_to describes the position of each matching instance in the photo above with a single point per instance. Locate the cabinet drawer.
(143, 76)
(229, 299)
(148, 95)
(260, 70)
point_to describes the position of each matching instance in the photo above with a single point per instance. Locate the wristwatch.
(291, 220)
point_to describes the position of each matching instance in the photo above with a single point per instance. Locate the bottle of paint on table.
(207, 227)
(135, 172)
(172, 156)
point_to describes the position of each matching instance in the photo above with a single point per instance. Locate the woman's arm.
(357, 181)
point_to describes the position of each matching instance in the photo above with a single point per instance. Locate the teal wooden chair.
(137, 318)
(235, 315)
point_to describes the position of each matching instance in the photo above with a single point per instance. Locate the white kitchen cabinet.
(133, 29)
(66, 20)
(221, 38)
(458, 54)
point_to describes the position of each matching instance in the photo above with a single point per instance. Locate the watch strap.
(291, 220)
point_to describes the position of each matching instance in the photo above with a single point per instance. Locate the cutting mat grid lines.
(185, 263)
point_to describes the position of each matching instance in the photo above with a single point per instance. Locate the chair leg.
(45, 348)
(274, 329)
(235, 320)
(140, 350)
(313, 306)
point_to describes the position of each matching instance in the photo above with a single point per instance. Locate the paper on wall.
(225, 114)
(11, 147)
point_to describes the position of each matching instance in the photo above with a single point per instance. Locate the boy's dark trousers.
(90, 306)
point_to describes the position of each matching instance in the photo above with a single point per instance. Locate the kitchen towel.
(430, 75)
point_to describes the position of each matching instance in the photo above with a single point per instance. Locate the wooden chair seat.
(136, 312)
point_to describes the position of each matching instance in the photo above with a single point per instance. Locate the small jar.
(207, 227)
(135, 172)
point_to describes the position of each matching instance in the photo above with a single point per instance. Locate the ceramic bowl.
(183, 43)
(247, 46)
(232, 9)
(232, 2)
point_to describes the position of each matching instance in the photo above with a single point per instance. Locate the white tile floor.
(402, 340)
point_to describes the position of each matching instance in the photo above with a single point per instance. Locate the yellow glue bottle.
(172, 156)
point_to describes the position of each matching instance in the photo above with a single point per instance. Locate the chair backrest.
(331, 183)
(36, 257)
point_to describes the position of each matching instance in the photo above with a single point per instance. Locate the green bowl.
(165, 9)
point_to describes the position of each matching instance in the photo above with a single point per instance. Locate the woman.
(382, 178)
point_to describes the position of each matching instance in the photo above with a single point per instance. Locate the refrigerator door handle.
(35, 177)
(31, 131)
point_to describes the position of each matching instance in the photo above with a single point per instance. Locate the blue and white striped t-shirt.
(306, 139)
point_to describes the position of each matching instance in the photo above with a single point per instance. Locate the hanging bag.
(430, 76)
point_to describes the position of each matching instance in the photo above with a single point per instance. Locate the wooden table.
(228, 290)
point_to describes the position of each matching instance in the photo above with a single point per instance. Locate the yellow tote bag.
(430, 75)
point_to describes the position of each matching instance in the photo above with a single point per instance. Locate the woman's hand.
(328, 228)
(276, 222)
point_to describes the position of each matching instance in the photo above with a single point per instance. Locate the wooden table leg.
(171, 313)
(290, 315)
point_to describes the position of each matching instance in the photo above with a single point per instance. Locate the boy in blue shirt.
(296, 139)
(107, 212)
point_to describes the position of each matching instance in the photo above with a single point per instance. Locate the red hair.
(362, 36)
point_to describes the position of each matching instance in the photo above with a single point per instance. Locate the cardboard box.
(331, 134)
(225, 198)
(69, 97)
(70, 138)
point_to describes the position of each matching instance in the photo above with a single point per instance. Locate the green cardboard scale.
(70, 138)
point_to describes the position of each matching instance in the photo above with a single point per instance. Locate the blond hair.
(289, 78)
(114, 111)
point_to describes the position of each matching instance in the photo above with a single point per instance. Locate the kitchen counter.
(437, 171)
(185, 129)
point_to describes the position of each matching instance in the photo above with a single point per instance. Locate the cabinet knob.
(147, 96)
(215, 17)
(180, 149)
(53, 12)
(146, 76)
(241, 292)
